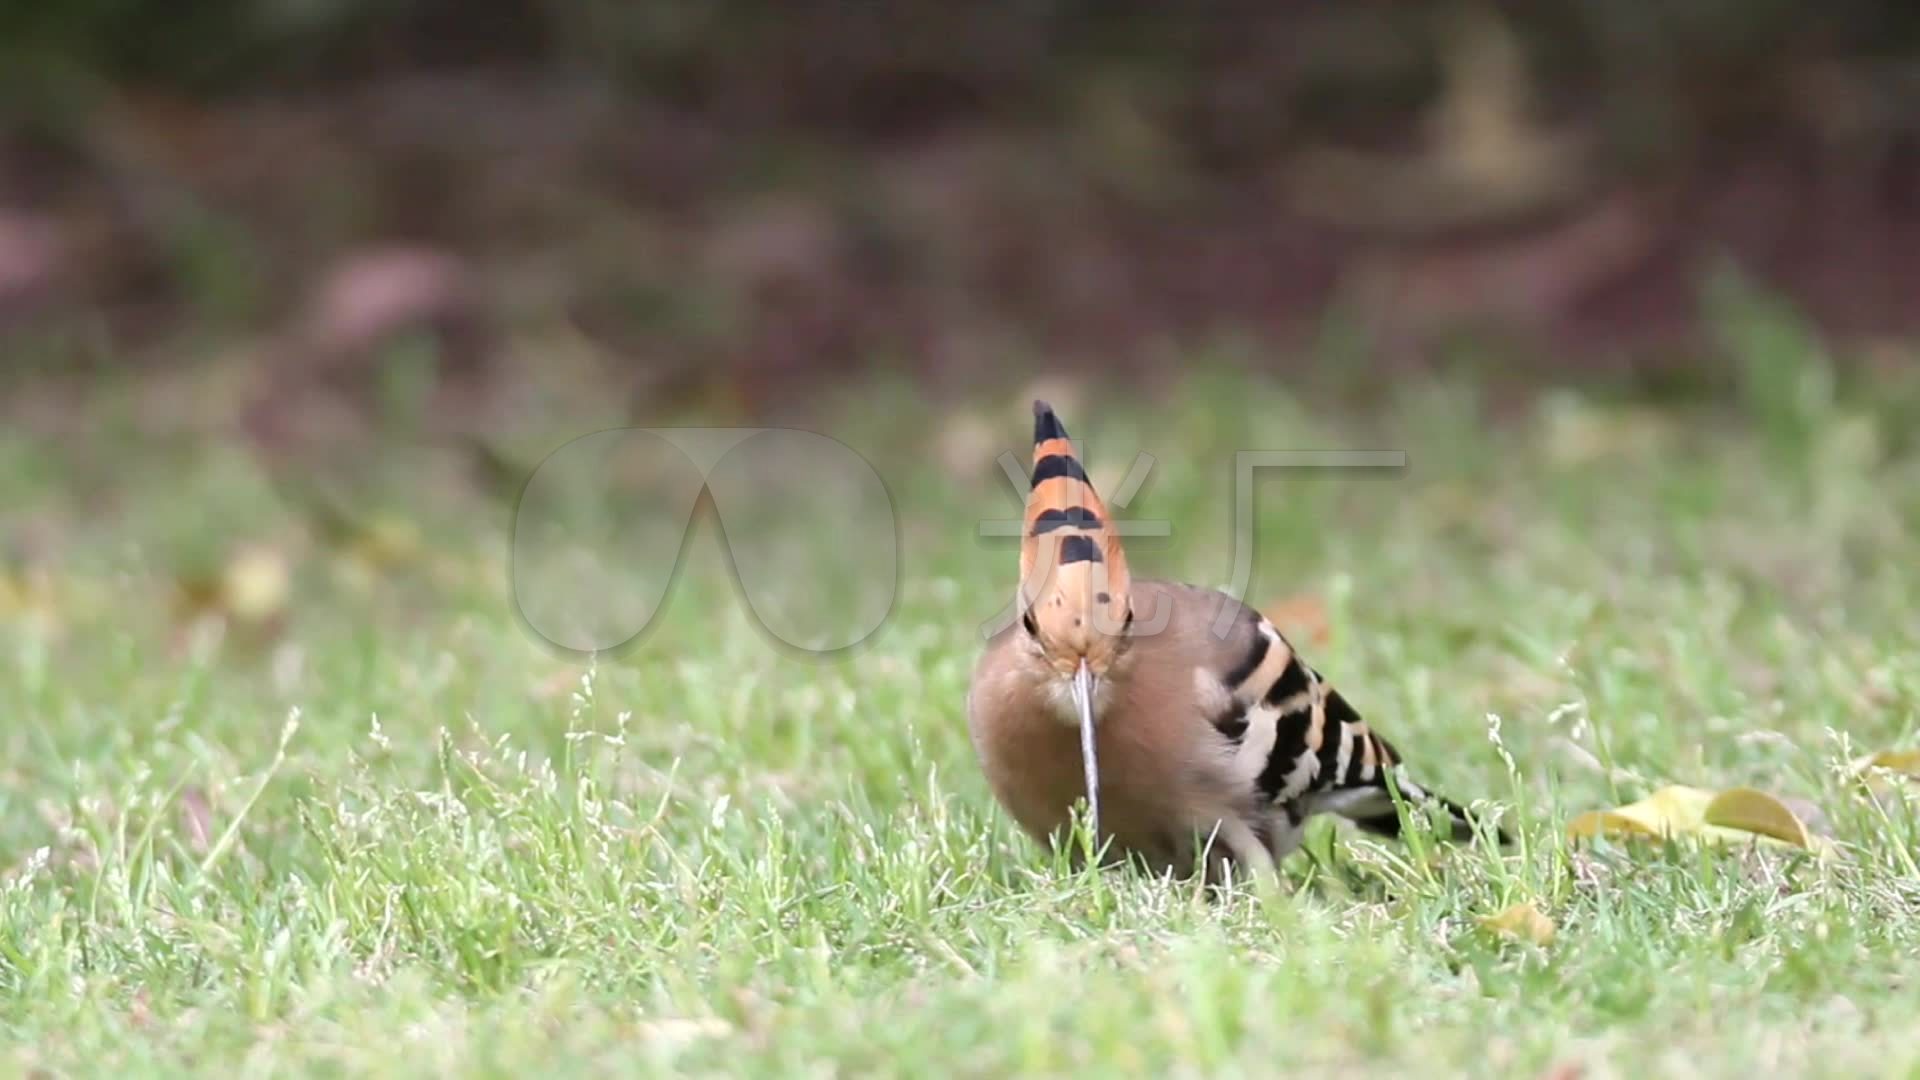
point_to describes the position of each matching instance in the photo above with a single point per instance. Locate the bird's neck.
(1056, 691)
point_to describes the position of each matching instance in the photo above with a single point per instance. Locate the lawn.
(387, 831)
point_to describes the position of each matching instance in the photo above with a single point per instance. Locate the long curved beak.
(1084, 683)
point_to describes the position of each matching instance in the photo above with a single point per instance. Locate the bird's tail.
(1381, 817)
(1388, 823)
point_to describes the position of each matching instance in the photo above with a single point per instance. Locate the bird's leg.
(1234, 847)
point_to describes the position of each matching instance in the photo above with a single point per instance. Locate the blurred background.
(723, 205)
(317, 233)
(296, 295)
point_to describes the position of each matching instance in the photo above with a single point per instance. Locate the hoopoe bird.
(1203, 740)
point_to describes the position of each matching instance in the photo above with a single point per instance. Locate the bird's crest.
(1074, 586)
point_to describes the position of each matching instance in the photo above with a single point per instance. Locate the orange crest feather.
(1073, 573)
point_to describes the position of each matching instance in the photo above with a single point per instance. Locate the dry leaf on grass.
(255, 584)
(248, 594)
(387, 540)
(1758, 812)
(1523, 922)
(1904, 763)
(381, 544)
(1735, 816)
(30, 599)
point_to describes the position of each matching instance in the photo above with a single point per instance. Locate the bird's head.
(1076, 606)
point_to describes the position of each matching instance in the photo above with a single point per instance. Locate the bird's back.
(1214, 737)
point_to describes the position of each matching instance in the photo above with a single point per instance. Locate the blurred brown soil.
(699, 263)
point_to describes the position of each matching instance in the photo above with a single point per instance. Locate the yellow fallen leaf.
(1737, 816)
(1670, 811)
(1899, 761)
(30, 600)
(389, 541)
(1809, 813)
(1720, 834)
(255, 584)
(381, 544)
(1522, 921)
(1757, 812)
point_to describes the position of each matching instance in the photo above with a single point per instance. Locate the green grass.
(706, 855)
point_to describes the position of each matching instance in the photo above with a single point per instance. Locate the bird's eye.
(1026, 620)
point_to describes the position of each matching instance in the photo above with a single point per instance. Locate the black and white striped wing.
(1300, 743)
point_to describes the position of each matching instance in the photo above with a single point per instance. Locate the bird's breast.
(1155, 794)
